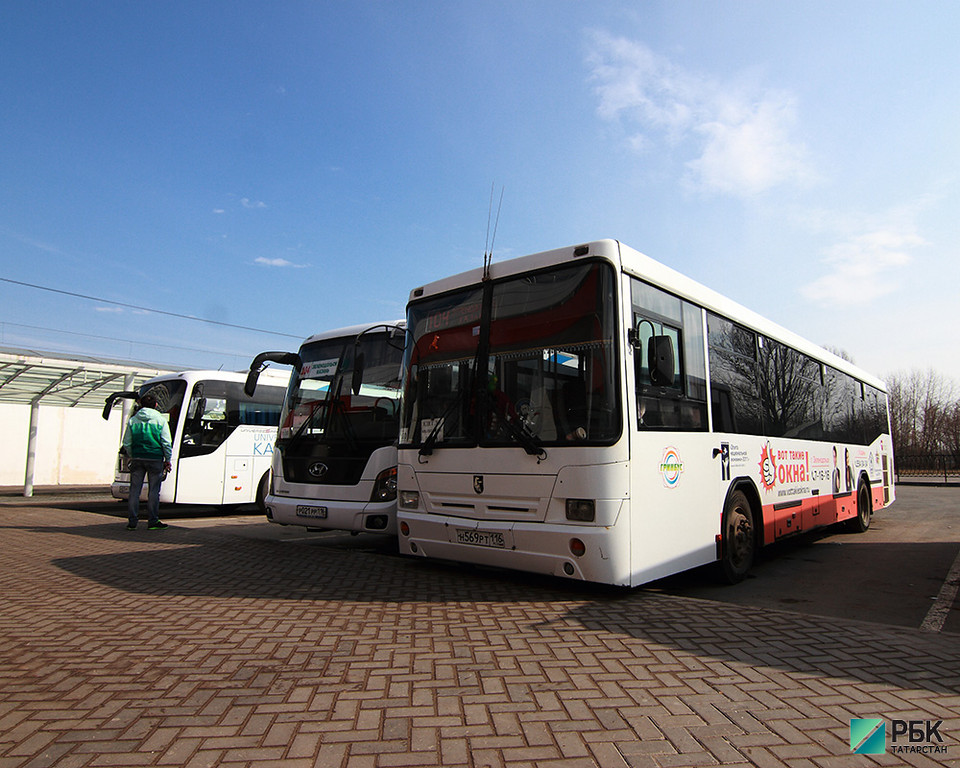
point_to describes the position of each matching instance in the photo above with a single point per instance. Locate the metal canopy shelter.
(30, 377)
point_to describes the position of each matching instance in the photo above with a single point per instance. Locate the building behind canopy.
(51, 428)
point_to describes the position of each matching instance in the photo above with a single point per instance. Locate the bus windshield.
(528, 361)
(216, 408)
(345, 393)
(169, 396)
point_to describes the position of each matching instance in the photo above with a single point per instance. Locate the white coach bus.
(222, 439)
(335, 461)
(590, 413)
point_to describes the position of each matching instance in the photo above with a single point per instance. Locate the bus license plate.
(317, 513)
(480, 538)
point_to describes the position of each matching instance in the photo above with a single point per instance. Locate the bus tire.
(262, 492)
(739, 543)
(861, 522)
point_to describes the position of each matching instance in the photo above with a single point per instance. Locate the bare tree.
(841, 353)
(924, 414)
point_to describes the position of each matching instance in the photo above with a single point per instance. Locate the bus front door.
(200, 478)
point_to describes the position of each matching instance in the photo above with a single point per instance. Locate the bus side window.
(733, 377)
(669, 360)
(671, 390)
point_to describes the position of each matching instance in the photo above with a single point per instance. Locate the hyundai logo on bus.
(318, 469)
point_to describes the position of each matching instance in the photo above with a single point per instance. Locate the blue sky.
(300, 166)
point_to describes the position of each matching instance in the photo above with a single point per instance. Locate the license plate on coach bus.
(480, 538)
(316, 513)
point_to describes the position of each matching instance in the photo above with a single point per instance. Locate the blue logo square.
(868, 736)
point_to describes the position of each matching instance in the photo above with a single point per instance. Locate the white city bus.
(222, 439)
(335, 461)
(590, 413)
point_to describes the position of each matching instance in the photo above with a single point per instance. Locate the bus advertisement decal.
(671, 467)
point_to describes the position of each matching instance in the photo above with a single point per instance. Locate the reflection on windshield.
(169, 396)
(345, 391)
(543, 374)
(216, 408)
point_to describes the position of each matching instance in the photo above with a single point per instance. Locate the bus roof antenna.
(488, 245)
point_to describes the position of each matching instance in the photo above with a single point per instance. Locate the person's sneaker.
(157, 526)
(131, 527)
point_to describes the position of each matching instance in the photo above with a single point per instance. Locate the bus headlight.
(409, 499)
(385, 488)
(581, 510)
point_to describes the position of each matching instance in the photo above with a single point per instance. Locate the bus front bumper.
(326, 514)
(567, 551)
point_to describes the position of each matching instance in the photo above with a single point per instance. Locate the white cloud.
(865, 266)
(739, 139)
(246, 202)
(648, 88)
(750, 150)
(276, 263)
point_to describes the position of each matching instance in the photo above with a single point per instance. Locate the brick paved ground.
(193, 647)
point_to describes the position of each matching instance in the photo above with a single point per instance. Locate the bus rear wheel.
(739, 544)
(861, 522)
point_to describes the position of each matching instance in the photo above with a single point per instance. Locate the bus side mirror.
(108, 406)
(357, 379)
(661, 361)
(281, 358)
(250, 385)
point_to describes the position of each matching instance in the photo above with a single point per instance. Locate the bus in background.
(222, 439)
(335, 460)
(592, 414)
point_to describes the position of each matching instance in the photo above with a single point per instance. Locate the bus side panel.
(199, 479)
(809, 484)
(249, 452)
(676, 499)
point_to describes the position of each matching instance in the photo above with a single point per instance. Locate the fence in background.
(942, 466)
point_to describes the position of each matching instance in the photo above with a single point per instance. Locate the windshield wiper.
(316, 416)
(530, 444)
(427, 448)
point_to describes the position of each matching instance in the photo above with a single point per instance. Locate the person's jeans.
(153, 469)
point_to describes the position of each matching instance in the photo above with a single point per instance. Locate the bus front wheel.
(739, 545)
(262, 492)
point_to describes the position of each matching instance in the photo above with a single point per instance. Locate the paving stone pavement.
(192, 647)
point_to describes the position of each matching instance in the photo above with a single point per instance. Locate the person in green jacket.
(149, 447)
